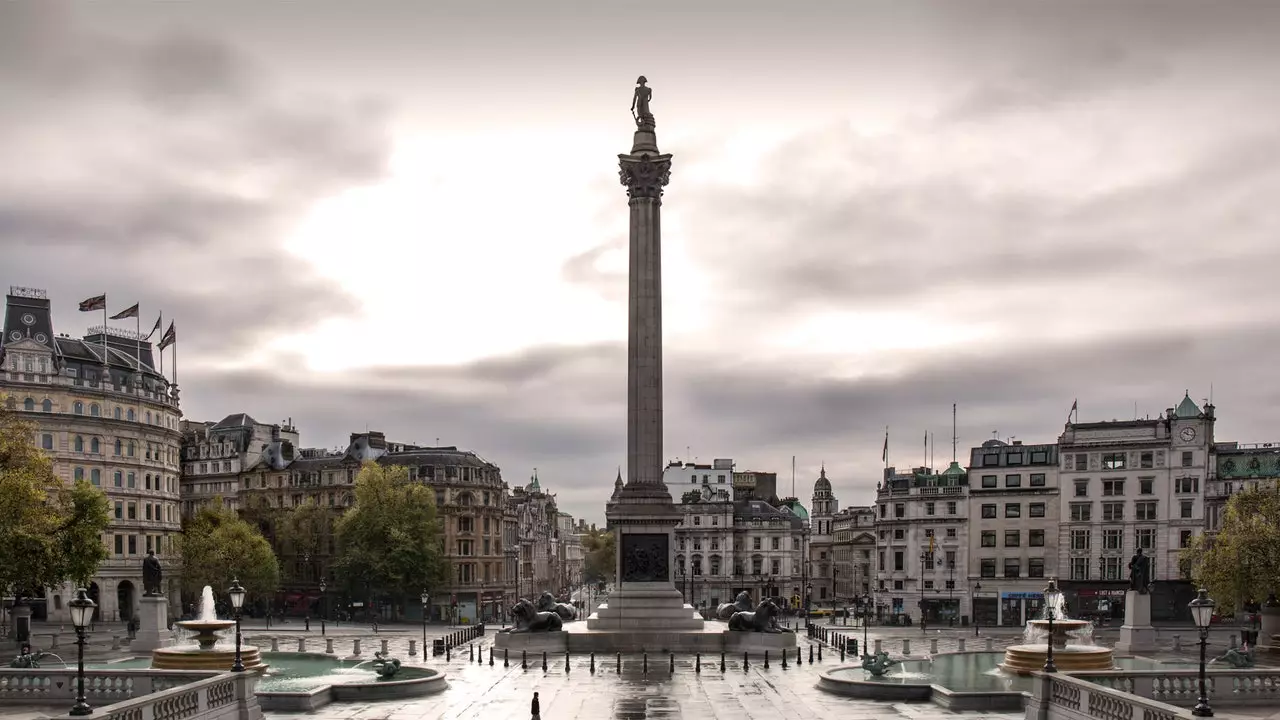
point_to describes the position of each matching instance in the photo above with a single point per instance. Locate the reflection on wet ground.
(495, 693)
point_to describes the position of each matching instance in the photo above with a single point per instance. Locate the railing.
(223, 696)
(42, 686)
(1224, 686)
(1064, 697)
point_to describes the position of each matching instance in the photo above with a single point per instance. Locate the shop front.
(941, 611)
(986, 610)
(1100, 604)
(1019, 606)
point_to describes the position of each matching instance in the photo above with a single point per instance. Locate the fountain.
(206, 654)
(1067, 656)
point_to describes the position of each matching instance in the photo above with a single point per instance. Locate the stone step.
(631, 622)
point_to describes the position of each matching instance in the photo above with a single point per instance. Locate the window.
(133, 448)
(46, 441)
(117, 412)
(1184, 539)
(1113, 487)
(928, 585)
(1012, 510)
(1037, 479)
(117, 479)
(78, 407)
(1188, 509)
(1079, 568)
(1014, 458)
(94, 410)
(899, 534)
(1146, 538)
(1036, 510)
(119, 544)
(989, 511)
(129, 415)
(1144, 486)
(1187, 459)
(1035, 538)
(1111, 539)
(951, 507)
(1186, 485)
(990, 459)
(900, 510)
(1013, 481)
(1081, 512)
(1144, 510)
(1146, 460)
(133, 544)
(1039, 457)
(989, 481)
(95, 476)
(898, 561)
(119, 446)
(1080, 539)
(1012, 567)
(755, 543)
(777, 543)
(951, 532)
(988, 567)
(131, 481)
(1111, 568)
(1113, 461)
(119, 510)
(79, 474)
(1012, 538)
(133, 511)
(1035, 567)
(1112, 512)
(1082, 488)
(78, 444)
(988, 538)
(929, 508)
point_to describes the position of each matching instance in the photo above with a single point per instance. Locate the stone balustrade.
(1181, 687)
(1064, 697)
(45, 685)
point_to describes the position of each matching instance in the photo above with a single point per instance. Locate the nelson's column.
(642, 513)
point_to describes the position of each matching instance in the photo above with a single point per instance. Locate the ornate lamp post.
(808, 602)
(237, 594)
(684, 583)
(324, 603)
(81, 613)
(865, 601)
(426, 609)
(973, 606)
(1202, 613)
(1052, 600)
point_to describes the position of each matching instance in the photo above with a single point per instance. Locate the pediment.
(865, 538)
(28, 344)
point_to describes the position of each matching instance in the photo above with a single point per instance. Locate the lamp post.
(865, 601)
(306, 610)
(237, 594)
(973, 606)
(426, 606)
(324, 602)
(808, 602)
(81, 613)
(684, 583)
(926, 562)
(1052, 599)
(1202, 613)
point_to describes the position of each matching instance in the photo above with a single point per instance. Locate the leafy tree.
(305, 531)
(599, 564)
(390, 540)
(51, 532)
(1242, 562)
(217, 546)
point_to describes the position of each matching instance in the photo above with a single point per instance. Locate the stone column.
(153, 624)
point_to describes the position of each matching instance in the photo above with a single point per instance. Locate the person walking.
(535, 707)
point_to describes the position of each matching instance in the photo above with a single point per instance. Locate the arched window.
(95, 447)
(79, 444)
(79, 474)
(46, 441)
(95, 476)
(679, 563)
(118, 479)
(133, 449)
(78, 408)
(464, 499)
(146, 481)
(148, 417)
(119, 446)
(12, 403)
(94, 410)
(29, 405)
(132, 480)
(130, 415)
(117, 412)
(47, 405)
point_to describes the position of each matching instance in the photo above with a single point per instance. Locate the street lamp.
(1052, 599)
(237, 601)
(1202, 613)
(808, 600)
(81, 613)
(973, 606)
(324, 602)
(865, 601)
(426, 604)
(684, 583)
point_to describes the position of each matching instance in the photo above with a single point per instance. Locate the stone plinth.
(153, 624)
(1136, 635)
(645, 607)
(756, 642)
(534, 642)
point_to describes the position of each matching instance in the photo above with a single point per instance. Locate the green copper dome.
(1187, 408)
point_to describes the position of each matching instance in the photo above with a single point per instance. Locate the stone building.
(681, 477)
(1235, 467)
(1013, 538)
(853, 545)
(570, 551)
(822, 571)
(538, 534)
(104, 414)
(921, 527)
(217, 456)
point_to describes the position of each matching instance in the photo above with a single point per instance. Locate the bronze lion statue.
(547, 603)
(761, 620)
(742, 603)
(526, 619)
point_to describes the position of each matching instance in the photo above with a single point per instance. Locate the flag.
(170, 336)
(157, 326)
(94, 303)
(884, 455)
(131, 312)
(1074, 407)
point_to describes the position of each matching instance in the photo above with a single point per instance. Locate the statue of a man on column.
(1140, 572)
(640, 103)
(151, 575)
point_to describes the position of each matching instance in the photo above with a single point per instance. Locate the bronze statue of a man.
(151, 576)
(1140, 572)
(640, 103)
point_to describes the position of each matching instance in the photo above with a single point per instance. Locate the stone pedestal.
(736, 641)
(645, 607)
(153, 624)
(1136, 635)
(533, 642)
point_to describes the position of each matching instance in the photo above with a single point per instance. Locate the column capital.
(644, 175)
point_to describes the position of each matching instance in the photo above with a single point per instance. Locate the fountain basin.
(187, 657)
(1027, 659)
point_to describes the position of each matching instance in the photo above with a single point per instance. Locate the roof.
(235, 420)
(795, 508)
(1187, 408)
(823, 485)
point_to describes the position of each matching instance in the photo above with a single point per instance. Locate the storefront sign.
(1101, 593)
(1021, 595)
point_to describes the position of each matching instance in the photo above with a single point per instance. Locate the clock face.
(1187, 434)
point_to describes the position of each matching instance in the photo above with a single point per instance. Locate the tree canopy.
(390, 540)
(218, 546)
(51, 532)
(599, 551)
(305, 532)
(1242, 562)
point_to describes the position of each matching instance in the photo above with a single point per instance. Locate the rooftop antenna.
(793, 476)
(931, 447)
(953, 432)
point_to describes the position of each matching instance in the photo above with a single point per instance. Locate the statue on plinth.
(640, 104)
(1245, 657)
(1140, 573)
(547, 603)
(742, 603)
(527, 619)
(152, 575)
(762, 620)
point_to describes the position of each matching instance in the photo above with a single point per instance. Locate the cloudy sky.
(406, 216)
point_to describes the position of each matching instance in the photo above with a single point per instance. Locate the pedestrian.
(537, 710)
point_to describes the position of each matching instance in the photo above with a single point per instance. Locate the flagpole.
(137, 324)
(174, 345)
(104, 332)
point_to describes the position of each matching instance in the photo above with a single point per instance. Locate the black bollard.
(784, 659)
(721, 661)
(544, 661)
(697, 663)
(490, 656)
(842, 653)
(819, 653)
(447, 655)
(855, 646)
(506, 659)
(673, 664)
(524, 662)
(799, 658)
(593, 663)
(566, 662)
(471, 653)
(810, 654)
(619, 669)
(746, 661)
(646, 663)
(766, 659)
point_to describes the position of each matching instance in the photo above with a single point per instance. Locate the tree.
(305, 532)
(51, 532)
(218, 546)
(390, 540)
(599, 565)
(1242, 562)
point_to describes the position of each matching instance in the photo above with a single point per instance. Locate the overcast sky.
(406, 216)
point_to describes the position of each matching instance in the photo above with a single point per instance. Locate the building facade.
(1127, 485)
(1235, 467)
(538, 533)
(853, 545)
(103, 414)
(681, 477)
(822, 573)
(1013, 513)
